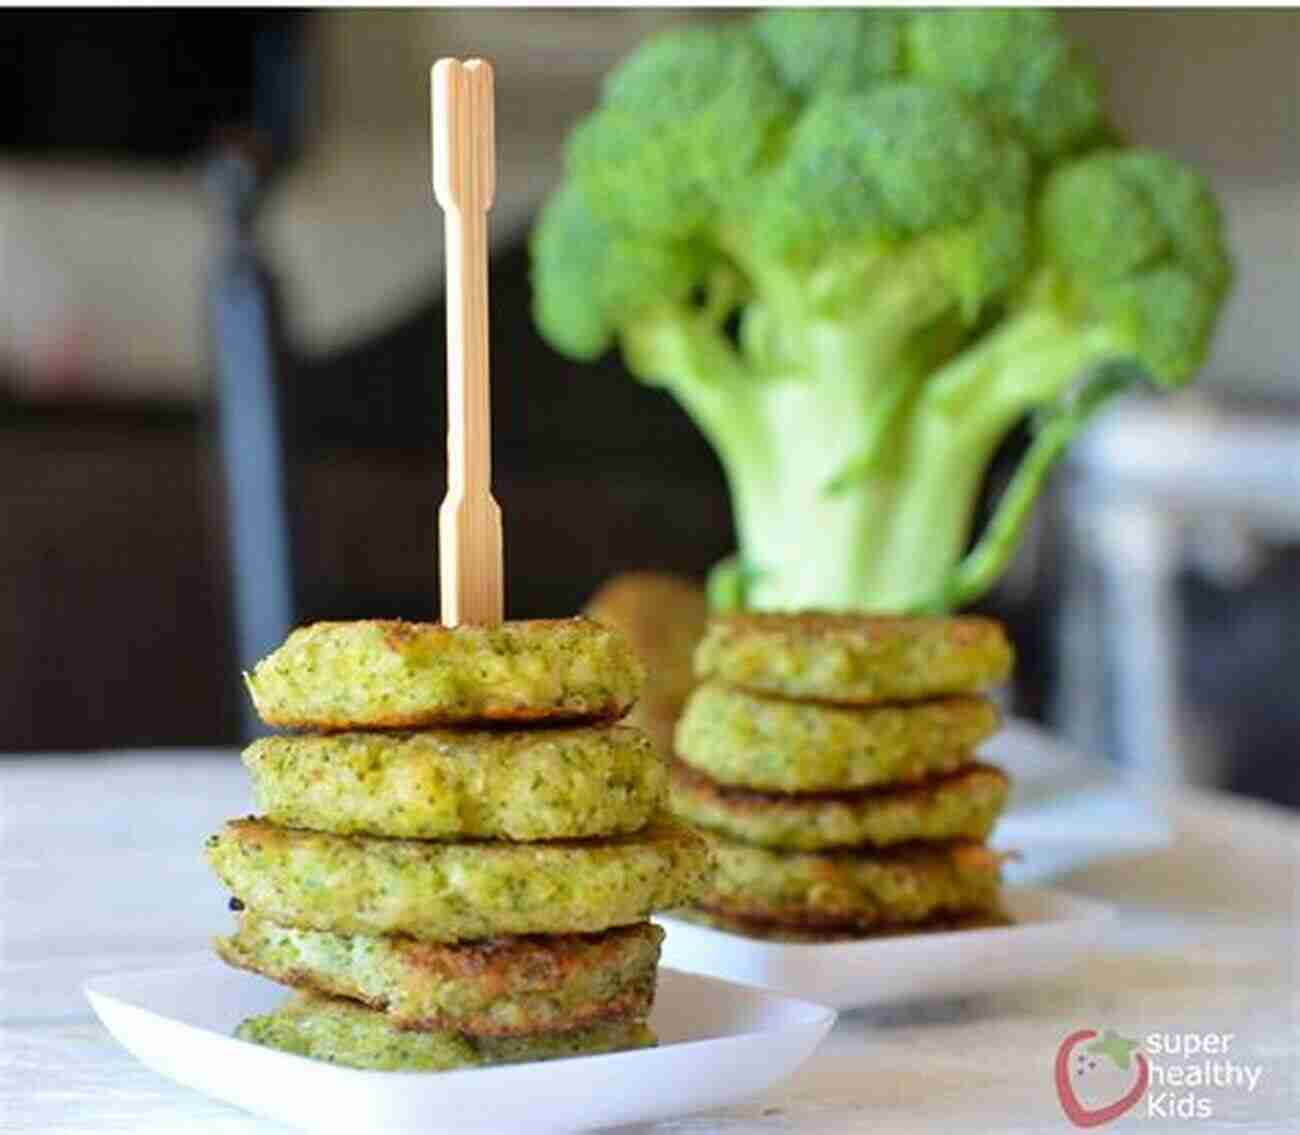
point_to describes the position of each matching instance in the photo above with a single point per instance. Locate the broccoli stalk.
(859, 248)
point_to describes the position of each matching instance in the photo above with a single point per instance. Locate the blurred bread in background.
(663, 616)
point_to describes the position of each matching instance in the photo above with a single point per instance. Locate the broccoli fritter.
(343, 1032)
(389, 674)
(964, 804)
(498, 987)
(773, 745)
(455, 892)
(857, 890)
(855, 659)
(453, 784)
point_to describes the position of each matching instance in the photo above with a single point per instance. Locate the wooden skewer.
(464, 181)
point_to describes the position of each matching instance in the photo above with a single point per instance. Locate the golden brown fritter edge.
(742, 800)
(500, 964)
(796, 934)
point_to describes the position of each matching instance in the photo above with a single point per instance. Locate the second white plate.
(719, 1043)
(1066, 810)
(1051, 931)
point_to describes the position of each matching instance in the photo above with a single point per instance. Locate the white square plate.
(719, 1043)
(1052, 930)
(1067, 810)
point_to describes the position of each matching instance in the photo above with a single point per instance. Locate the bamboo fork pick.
(464, 180)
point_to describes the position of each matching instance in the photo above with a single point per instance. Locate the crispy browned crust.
(632, 1003)
(258, 832)
(501, 967)
(810, 935)
(961, 630)
(606, 713)
(399, 633)
(811, 920)
(550, 961)
(743, 801)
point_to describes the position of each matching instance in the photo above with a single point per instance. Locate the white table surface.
(101, 870)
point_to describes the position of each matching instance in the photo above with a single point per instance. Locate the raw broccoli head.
(925, 231)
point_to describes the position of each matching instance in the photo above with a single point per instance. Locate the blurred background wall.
(117, 607)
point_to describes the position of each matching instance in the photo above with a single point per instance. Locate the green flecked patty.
(388, 674)
(855, 659)
(446, 784)
(965, 804)
(498, 987)
(852, 889)
(804, 935)
(343, 1032)
(774, 745)
(452, 892)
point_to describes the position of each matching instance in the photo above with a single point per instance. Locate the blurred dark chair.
(1179, 645)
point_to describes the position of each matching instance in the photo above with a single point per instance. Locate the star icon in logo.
(1119, 1049)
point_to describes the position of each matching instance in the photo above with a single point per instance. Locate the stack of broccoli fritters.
(831, 759)
(474, 888)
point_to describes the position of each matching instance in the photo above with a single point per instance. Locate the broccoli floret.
(682, 126)
(592, 278)
(1137, 236)
(923, 228)
(1018, 66)
(870, 175)
(835, 49)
